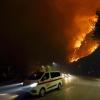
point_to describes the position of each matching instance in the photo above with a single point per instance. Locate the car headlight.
(21, 83)
(33, 85)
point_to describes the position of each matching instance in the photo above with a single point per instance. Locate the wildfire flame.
(93, 48)
(77, 20)
(76, 57)
(84, 45)
(88, 25)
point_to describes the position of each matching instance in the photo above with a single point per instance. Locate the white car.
(42, 82)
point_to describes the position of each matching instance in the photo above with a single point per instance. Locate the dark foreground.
(74, 88)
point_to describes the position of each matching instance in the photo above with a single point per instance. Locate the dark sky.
(30, 32)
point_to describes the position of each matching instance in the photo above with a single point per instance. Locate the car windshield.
(35, 76)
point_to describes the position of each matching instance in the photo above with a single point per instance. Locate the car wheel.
(59, 86)
(42, 92)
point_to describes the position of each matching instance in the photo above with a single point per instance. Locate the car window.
(35, 76)
(45, 77)
(54, 74)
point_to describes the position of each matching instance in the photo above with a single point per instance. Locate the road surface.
(75, 88)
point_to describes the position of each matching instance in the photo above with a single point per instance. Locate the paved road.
(74, 89)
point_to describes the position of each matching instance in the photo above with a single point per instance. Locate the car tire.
(59, 86)
(42, 92)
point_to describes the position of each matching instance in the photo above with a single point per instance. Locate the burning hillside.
(78, 21)
(84, 44)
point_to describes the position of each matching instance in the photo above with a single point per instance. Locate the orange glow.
(77, 20)
(79, 41)
(77, 44)
(83, 44)
(93, 48)
(86, 25)
(74, 59)
(87, 51)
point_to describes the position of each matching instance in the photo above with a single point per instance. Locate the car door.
(53, 80)
(46, 81)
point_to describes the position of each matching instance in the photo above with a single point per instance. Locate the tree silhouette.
(96, 32)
